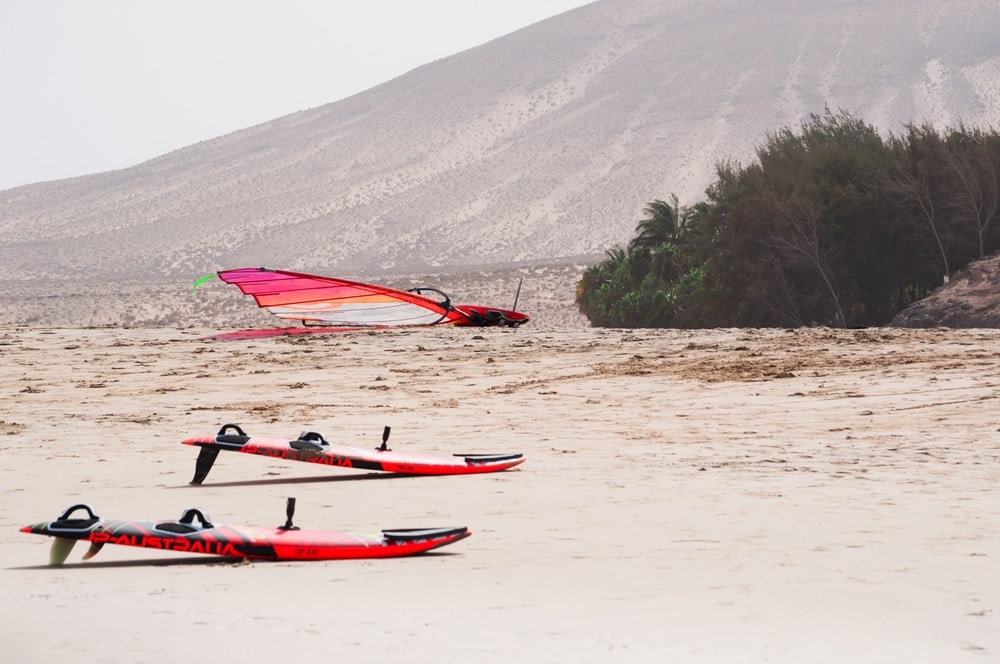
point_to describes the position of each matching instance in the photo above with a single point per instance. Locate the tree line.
(831, 225)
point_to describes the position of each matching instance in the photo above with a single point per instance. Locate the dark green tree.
(831, 225)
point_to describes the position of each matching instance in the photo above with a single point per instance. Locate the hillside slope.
(970, 299)
(539, 148)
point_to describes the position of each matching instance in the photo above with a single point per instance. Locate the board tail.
(417, 534)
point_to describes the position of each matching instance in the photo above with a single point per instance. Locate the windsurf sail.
(320, 300)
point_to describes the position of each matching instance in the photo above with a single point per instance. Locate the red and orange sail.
(331, 301)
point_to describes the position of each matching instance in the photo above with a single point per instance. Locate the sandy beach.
(723, 495)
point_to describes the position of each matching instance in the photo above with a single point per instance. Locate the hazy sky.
(95, 85)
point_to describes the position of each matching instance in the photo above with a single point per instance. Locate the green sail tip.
(202, 280)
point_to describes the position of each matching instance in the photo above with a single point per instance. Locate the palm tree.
(663, 224)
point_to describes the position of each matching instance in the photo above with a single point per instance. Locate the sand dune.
(727, 495)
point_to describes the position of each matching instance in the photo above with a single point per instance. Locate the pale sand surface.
(722, 495)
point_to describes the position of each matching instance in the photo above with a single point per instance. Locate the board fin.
(206, 459)
(60, 550)
(94, 549)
